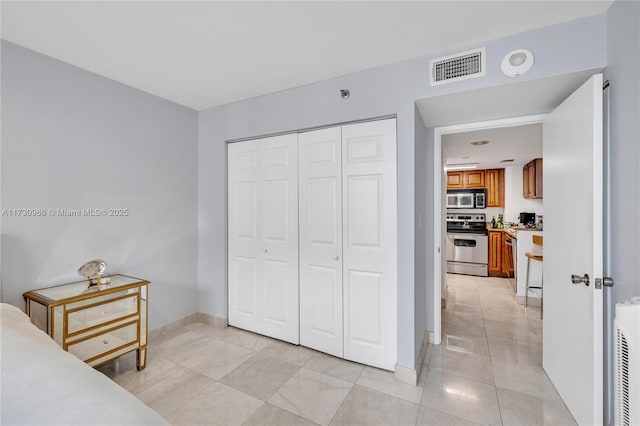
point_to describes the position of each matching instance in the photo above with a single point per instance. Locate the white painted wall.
(623, 69)
(381, 91)
(72, 139)
(514, 202)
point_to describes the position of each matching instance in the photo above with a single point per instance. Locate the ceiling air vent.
(461, 66)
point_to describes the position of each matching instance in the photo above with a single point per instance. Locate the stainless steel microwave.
(466, 199)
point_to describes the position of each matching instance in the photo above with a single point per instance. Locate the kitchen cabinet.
(474, 179)
(532, 179)
(455, 180)
(500, 255)
(466, 179)
(495, 253)
(494, 179)
(507, 256)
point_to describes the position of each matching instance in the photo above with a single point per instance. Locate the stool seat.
(532, 256)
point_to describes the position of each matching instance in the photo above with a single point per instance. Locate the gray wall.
(393, 89)
(623, 73)
(424, 232)
(72, 139)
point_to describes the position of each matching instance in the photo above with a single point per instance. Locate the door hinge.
(608, 282)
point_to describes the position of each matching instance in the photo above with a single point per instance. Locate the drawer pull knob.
(106, 342)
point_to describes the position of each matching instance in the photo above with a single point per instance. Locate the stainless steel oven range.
(467, 244)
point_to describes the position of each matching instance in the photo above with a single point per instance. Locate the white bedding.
(43, 385)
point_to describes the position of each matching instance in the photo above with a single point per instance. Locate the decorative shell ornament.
(92, 270)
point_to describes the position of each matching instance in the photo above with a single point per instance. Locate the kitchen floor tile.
(461, 340)
(521, 409)
(465, 398)
(464, 364)
(524, 378)
(515, 351)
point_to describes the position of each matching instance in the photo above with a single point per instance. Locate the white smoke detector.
(517, 62)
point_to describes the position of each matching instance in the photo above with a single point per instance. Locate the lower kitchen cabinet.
(495, 253)
(507, 256)
(500, 255)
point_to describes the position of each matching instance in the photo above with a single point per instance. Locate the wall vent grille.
(626, 362)
(461, 66)
(622, 384)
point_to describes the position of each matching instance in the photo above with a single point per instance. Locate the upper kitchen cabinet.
(466, 179)
(474, 179)
(532, 179)
(455, 180)
(494, 179)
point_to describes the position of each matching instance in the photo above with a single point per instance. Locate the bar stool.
(537, 241)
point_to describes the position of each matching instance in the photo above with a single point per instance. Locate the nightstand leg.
(141, 360)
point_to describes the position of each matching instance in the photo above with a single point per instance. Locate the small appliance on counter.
(528, 219)
(539, 221)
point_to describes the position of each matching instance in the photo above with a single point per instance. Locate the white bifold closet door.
(348, 242)
(320, 200)
(263, 236)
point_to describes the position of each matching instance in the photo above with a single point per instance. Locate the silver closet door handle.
(336, 258)
(266, 251)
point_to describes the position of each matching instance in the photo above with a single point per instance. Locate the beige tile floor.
(487, 371)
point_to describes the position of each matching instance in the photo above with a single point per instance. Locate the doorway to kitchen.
(488, 157)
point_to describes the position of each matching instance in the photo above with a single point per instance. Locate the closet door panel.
(263, 243)
(280, 241)
(244, 181)
(370, 248)
(320, 214)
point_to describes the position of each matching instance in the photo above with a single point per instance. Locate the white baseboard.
(411, 376)
(533, 301)
(159, 332)
(212, 320)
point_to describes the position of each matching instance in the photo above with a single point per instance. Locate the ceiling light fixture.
(517, 62)
(478, 143)
(467, 166)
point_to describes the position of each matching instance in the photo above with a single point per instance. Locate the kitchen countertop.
(512, 230)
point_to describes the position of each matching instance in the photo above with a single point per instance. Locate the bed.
(44, 385)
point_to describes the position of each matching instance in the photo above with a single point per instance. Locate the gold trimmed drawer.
(94, 346)
(91, 314)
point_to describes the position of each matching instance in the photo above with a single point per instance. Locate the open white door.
(572, 150)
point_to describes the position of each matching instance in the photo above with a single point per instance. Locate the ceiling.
(519, 143)
(206, 53)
